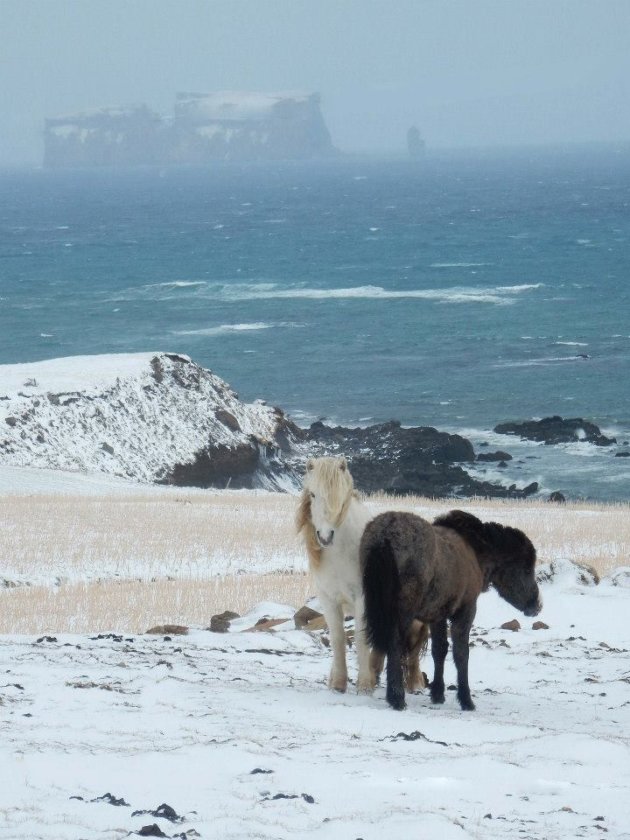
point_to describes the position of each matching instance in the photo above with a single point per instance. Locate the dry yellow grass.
(132, 606)
(124, 563)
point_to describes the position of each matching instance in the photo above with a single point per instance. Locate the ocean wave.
(176, 284)
(500, 295)
(550, 360)
(572, 343)
(223, 329)
(459, 265)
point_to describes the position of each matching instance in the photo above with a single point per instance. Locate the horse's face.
(514, 577)
(328, 485)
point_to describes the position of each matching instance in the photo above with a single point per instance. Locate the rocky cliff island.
(204, 127)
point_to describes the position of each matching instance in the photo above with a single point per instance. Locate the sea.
(458, 291)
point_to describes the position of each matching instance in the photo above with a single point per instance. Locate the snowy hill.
(153, 417)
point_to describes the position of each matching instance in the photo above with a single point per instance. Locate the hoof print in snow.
(413, 736)
(114, 637)
(113, 800)
(540, 625)
(513, 625)
(106, 797)
(305, 796)
(46, 639)
(257, 770)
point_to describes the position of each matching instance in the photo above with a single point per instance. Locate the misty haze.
(467, 74)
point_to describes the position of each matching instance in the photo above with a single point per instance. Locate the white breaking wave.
(178, 284)
(459, 265)
(500, 295)
(222, 329)
(572, 343)
(550, 360)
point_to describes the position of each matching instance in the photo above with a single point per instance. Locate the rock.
(568, 570)
(266, 624)
(315, 624)
(494, 456)
(152, 830)
(622, 454)
(204, 127)
(228, 419)
(303, 616)
(168, 630)
(513, 625)
(552, 430)
(182, 425)
(400, 461)
(540, 625)
(620, 577)
(220, 623)
(556, 496)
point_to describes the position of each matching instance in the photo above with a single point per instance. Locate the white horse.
(331, 519)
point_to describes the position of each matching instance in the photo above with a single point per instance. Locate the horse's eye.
(312, 495)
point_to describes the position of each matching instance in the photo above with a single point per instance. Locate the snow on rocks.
(144, 416)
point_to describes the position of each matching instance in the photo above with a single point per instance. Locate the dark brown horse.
(413, 569)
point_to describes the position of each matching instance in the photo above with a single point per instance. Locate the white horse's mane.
(330, 478)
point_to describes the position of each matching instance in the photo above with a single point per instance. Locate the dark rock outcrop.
(406, 461)
(494, 456)
(161, 418)
(551, 430)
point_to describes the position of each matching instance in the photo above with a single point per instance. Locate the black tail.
(381, 587)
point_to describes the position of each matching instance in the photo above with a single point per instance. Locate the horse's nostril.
(534, 606)
(325, 541)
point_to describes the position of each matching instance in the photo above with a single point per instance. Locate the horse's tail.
(381, 588)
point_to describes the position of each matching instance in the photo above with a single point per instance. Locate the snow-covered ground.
(239, 735)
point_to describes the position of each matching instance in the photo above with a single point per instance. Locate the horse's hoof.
(338, 684)
(365, 688)
(467, 706)
(438, 698)
(397, 701)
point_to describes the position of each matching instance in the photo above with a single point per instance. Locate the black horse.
(413, 569)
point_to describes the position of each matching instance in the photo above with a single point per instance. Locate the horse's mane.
(467, 526)
(485, 537)
(304, 526)
(332, 477)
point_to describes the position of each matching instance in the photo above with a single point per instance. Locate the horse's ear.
(310, 464)
(343, 464)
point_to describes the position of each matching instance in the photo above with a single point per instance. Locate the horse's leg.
(333, 613)
(366, 680)
(416, 641)
(439, 649)
(460, 634)
(377, 661)
(395, 687)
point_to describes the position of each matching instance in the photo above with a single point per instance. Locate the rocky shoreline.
(161, 418)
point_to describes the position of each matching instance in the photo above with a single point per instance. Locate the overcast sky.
(467, 72)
